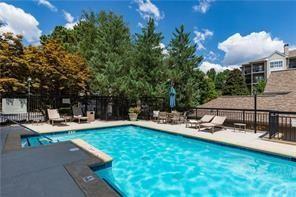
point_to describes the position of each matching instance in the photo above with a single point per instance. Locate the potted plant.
(133, 113)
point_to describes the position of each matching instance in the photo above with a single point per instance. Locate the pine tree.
(183, 64)
(235, 84)
(149, 61)
(111, 57)
(260, 86)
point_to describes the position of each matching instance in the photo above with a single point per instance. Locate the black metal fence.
(105, 107)
(277, 124)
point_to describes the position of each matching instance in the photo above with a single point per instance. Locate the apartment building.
(260, 69)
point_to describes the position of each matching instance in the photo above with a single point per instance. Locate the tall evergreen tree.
(235, 84)
(149, 61)
(183, 64)
(110, 55)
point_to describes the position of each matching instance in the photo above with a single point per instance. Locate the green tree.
(210, 90)
(261, 86)
(220, 80)
(111, 57)
(235, 84)
(183, 70)
(149, 62)
(212, 74)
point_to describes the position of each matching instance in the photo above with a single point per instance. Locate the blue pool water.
(151, 163)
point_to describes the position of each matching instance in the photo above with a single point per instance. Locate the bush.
(136, 110)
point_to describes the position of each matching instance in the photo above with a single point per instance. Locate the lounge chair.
(218, 121)
(162, 117)
(54, 116)
(78, 115)
(204, 119)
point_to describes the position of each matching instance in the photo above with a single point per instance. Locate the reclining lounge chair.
(218, 121)
(204, 119)
(54, 116)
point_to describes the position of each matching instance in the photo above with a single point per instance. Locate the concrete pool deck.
(54, 170)
(248, 140)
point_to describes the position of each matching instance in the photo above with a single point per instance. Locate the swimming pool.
(153, 163)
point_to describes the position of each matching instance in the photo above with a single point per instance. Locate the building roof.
(286, 102)
(281, 81)
(279, 95)
(292, 53)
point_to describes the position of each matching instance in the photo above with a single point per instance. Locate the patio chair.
(155, 115)
(175, 117)
(204, 119)
(218, 121)
(54, 116)
(78, 115)
(162, 117)
(183, 118)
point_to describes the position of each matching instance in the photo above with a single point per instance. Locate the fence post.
(195, 113)
(273, 123)
(255, 111)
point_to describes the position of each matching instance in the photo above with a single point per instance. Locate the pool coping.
(223, 143)
(254, 148)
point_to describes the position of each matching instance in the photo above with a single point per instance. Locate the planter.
(133, 116)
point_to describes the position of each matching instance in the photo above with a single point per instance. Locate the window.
(276, 64)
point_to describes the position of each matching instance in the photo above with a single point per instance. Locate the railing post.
(255, 111)
(273, 123)
(217, 112)
(244, 116)
(195, 113)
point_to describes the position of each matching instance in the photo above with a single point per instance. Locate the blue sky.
(227, 33)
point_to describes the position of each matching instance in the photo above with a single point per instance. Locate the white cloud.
(201, 36)
(205, 66)
(48, 5)
(164, 50)
(17, 21)
(211, 56)
(149, 10)
(203, 6)
(239, 49)
(70, 20)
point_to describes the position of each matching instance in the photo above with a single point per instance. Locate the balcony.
(247, 72)
(258, 69)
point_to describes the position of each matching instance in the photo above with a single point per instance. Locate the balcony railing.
(255, 69)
